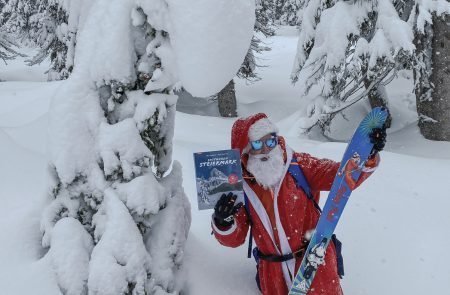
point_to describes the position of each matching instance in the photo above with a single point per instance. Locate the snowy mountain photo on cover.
(103, 104)
(217, 173)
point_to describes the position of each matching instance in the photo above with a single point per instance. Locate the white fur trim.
(261, 128)
(284, 243)
(288, 267)
(262, 214)
(226, 232)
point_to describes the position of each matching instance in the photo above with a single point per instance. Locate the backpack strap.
(300, 180)
(296, 172)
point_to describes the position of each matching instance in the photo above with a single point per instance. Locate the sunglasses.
(258, 144)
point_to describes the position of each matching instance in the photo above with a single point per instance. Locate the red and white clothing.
(281, 217)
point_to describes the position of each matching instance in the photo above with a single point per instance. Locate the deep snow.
(394, 229)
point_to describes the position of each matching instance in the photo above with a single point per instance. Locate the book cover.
(217, 173)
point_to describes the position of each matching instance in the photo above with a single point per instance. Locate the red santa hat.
(251, 128)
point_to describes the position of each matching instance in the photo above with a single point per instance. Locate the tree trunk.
(227, 101)
(378, 98)
(433, 87)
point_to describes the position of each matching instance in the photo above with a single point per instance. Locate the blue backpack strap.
(300, 179)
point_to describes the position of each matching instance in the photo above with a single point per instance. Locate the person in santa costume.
(279, 212)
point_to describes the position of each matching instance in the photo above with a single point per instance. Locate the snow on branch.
(346, 47)
(425, 8)
(122, 150)
(112, 176)
(7, 51)
(120, 263)
(71, 267)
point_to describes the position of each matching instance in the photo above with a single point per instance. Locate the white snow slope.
(394, 229)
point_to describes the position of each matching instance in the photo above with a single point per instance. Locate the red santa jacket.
(280, 228)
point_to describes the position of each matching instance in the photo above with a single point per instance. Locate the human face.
(268, 169)
(265, 148)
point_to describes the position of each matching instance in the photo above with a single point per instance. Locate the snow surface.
(394, 230)
(15, 70)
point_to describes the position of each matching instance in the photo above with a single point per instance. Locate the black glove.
(378, 139)
(225, 209)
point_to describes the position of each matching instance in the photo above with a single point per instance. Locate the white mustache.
(267, 168)
(261, 156)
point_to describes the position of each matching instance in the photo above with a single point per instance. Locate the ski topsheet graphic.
(217, 173)
(355, 156)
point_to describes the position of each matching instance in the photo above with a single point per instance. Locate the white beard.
(267, 173)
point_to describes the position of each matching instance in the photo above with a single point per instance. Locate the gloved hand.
(225, 209)
(378, 139)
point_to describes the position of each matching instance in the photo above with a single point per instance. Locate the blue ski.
(355, 156)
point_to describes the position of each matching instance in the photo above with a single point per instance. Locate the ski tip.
(375, 119)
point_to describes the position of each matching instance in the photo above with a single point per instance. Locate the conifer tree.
(49, 25)
(118, 217)
(291, 12)
(55, 24)
(8, 48)
(263, 25)
(15, 16)
(352, 49)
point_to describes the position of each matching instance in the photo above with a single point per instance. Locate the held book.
(217, 173)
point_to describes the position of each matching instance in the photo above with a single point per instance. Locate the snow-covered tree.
(7, 47)
(118, 217)
(278, 9)
(55, 25)
(263, 27)
(430, 19)
(350, 50)
(50, 25)
(15, 15)
(291, 12)
(2, 4)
